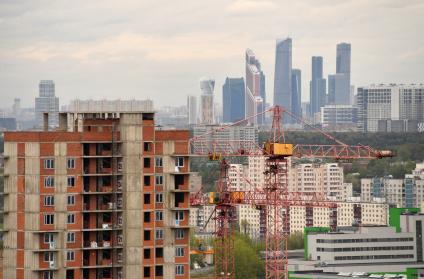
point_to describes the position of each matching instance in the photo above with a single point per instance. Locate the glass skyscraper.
(283, 74)
(317, 86)
(233, 99)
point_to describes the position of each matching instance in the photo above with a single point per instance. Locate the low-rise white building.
(368, 245)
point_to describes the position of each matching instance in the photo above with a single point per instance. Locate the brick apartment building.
(104, 196)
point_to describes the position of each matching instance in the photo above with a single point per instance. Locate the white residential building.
(390, 102)
(324, 179)
(407, 192)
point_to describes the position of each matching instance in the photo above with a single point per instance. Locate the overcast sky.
(159, 49)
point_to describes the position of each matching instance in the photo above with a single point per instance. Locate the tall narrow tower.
(206, 101)
(283, 74)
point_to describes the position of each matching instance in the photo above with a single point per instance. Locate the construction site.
(273, 199)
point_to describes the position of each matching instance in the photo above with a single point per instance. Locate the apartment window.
(159, 270)
(70, 237)
(49, 181)
(71, 218)
(146, 180)
(148, 146)
(159, 234)
(48, 256)
(48, 274)
(71, 181)
(159, 197)
(146, 163)
(70, 256)
(179, 269)
(48, 238)
(48, 200)
(70, 163)
(179, 234)
(146, 253)
(146, 217)
(146, 198)
(147, 235)
(71, 200)
(179, 251)
(48, 219)
(146, 271)
(158, 215)
(158, 162)
(179, 162)
(159, 252)
(49, 163)
(159, 180)
(179, 215)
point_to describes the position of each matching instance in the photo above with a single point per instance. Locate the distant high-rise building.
(379, 103)
(192, 109)
(206, 101)
(255, 88)
(233, 99)
(46, 102)
(343, 69)
(337, 85)
(296, 83)
(78, 105)
(317, 86)
(283, 74)
(16, 107)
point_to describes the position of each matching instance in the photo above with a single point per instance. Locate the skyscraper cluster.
(245, 97)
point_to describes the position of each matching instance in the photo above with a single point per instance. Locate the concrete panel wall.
(32, 184)
(131, 136)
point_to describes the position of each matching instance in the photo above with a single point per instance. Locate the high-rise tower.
(255, 88)
(283, 74)
(296, 92)
(46, 102)
(233, 99)
(343, 69)
(317, 86)
(206, 101)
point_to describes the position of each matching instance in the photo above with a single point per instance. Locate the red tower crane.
(274, 198)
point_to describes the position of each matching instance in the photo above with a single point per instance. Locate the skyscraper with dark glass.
(317, 86)
(233, 99)
(283, 74)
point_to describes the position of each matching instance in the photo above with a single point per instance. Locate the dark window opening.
(146, 217)
(147, 235)
(179, 198)
(179, 180)
(147, 146)
(146, 162)
(107, 254)
(146, 180)
(147, 116)
(146, 198)
(146, 272)
(146, 253)
(159, 270)
(159, 252)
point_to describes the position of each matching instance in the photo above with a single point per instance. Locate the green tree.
(248, 262)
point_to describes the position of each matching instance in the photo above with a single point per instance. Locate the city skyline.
(120, 54)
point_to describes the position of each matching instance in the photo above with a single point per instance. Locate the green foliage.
(248, 262)
(208, 170)
(295, 241)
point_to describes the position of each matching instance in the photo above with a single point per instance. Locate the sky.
(160, 49)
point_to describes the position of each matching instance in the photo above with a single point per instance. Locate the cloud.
(191, 46)
(250, 6)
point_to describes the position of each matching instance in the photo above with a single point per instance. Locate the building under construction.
(106, 195)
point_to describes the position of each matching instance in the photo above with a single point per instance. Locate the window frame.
(72, 216)
(72, 197)
(158, 213)
(48, 216)
(70, 256)
(177, 162)
(48, 163)
(70, 163)
(49, 181)
(70, 239)
(48, 200)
